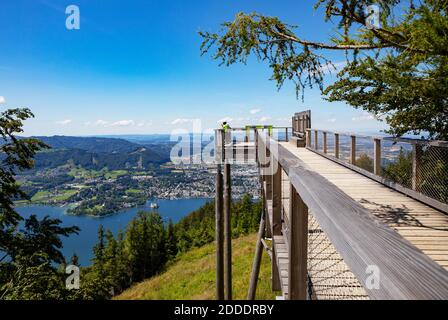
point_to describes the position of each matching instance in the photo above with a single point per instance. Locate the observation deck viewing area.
(344, 216)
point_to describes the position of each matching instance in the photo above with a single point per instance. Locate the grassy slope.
(192, 276)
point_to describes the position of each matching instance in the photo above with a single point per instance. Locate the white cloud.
(226, 119)
(123, 123)
(365, 116)
(181, 121)
(119, 123)
(2, 100)
(264, 119)
(101, 123)
(255, 111)
(332, 120)
(64, 122)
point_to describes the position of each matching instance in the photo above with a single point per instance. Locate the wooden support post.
(223, 145)
(257, 260)
(234, 153)
(377, 157)
(325, 142)
(256, 147)
(276, 222)
(268, 172)
(298, 247)
(353, 150)
(227, 234)
(336, 145)
(316, 139)
(287, 138)
(308, 138)
(416, 166)
(219, 235)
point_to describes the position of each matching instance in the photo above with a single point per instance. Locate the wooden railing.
(301, 121)
(318, 141)
(360, 238)
(232, 146)
(237, 145)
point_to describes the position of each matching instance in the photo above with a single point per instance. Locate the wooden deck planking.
(330, 276)
(425, 227)
(420, 224)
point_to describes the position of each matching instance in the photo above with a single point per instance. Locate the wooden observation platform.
(334, 224)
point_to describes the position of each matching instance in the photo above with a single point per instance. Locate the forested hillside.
(92, 144)
(148, 244)
(142, 157)
(192, 276)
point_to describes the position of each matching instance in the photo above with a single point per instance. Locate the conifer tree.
(396, 68)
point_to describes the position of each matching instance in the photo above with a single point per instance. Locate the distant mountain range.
(99, 152)
(91, 144)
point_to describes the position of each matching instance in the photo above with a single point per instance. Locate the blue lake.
(83, 243)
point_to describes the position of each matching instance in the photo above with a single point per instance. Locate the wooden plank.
(397, 187)
(282, 262)
(219, 235)
(336, 145)
(363, 240)
(298, 247)
(257, 260)
(377, 157)
(353, 150)
(276, 222)
(227, 233)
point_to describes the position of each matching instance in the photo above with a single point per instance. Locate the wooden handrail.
(377, 169)
(434, 143)
(360, 238)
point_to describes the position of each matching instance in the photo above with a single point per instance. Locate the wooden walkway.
(330, 278)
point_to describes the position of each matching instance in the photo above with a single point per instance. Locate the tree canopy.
(28, 252)
(397, 69)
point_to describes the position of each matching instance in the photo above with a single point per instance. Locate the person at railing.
(227, 133)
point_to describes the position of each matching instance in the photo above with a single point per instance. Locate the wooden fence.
(419, 182)
(361, 240)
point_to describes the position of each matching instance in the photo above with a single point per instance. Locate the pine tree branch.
(321, 45)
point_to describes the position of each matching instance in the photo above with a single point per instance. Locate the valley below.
(102, 176)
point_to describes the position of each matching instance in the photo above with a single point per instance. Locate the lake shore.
(82, 244)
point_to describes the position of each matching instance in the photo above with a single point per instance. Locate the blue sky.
(134, 68)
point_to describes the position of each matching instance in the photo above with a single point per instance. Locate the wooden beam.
(257, 260)
(388, 183)
(268, 174)
(325, 142)
(377, 157)
(227, 234)
(336, 145)
(219, 235)
(416, 166)
(298, 247)
(308, 138)
(276, 221)
(316, 139)
(277, 201)
(363, 240)
(353, 149)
